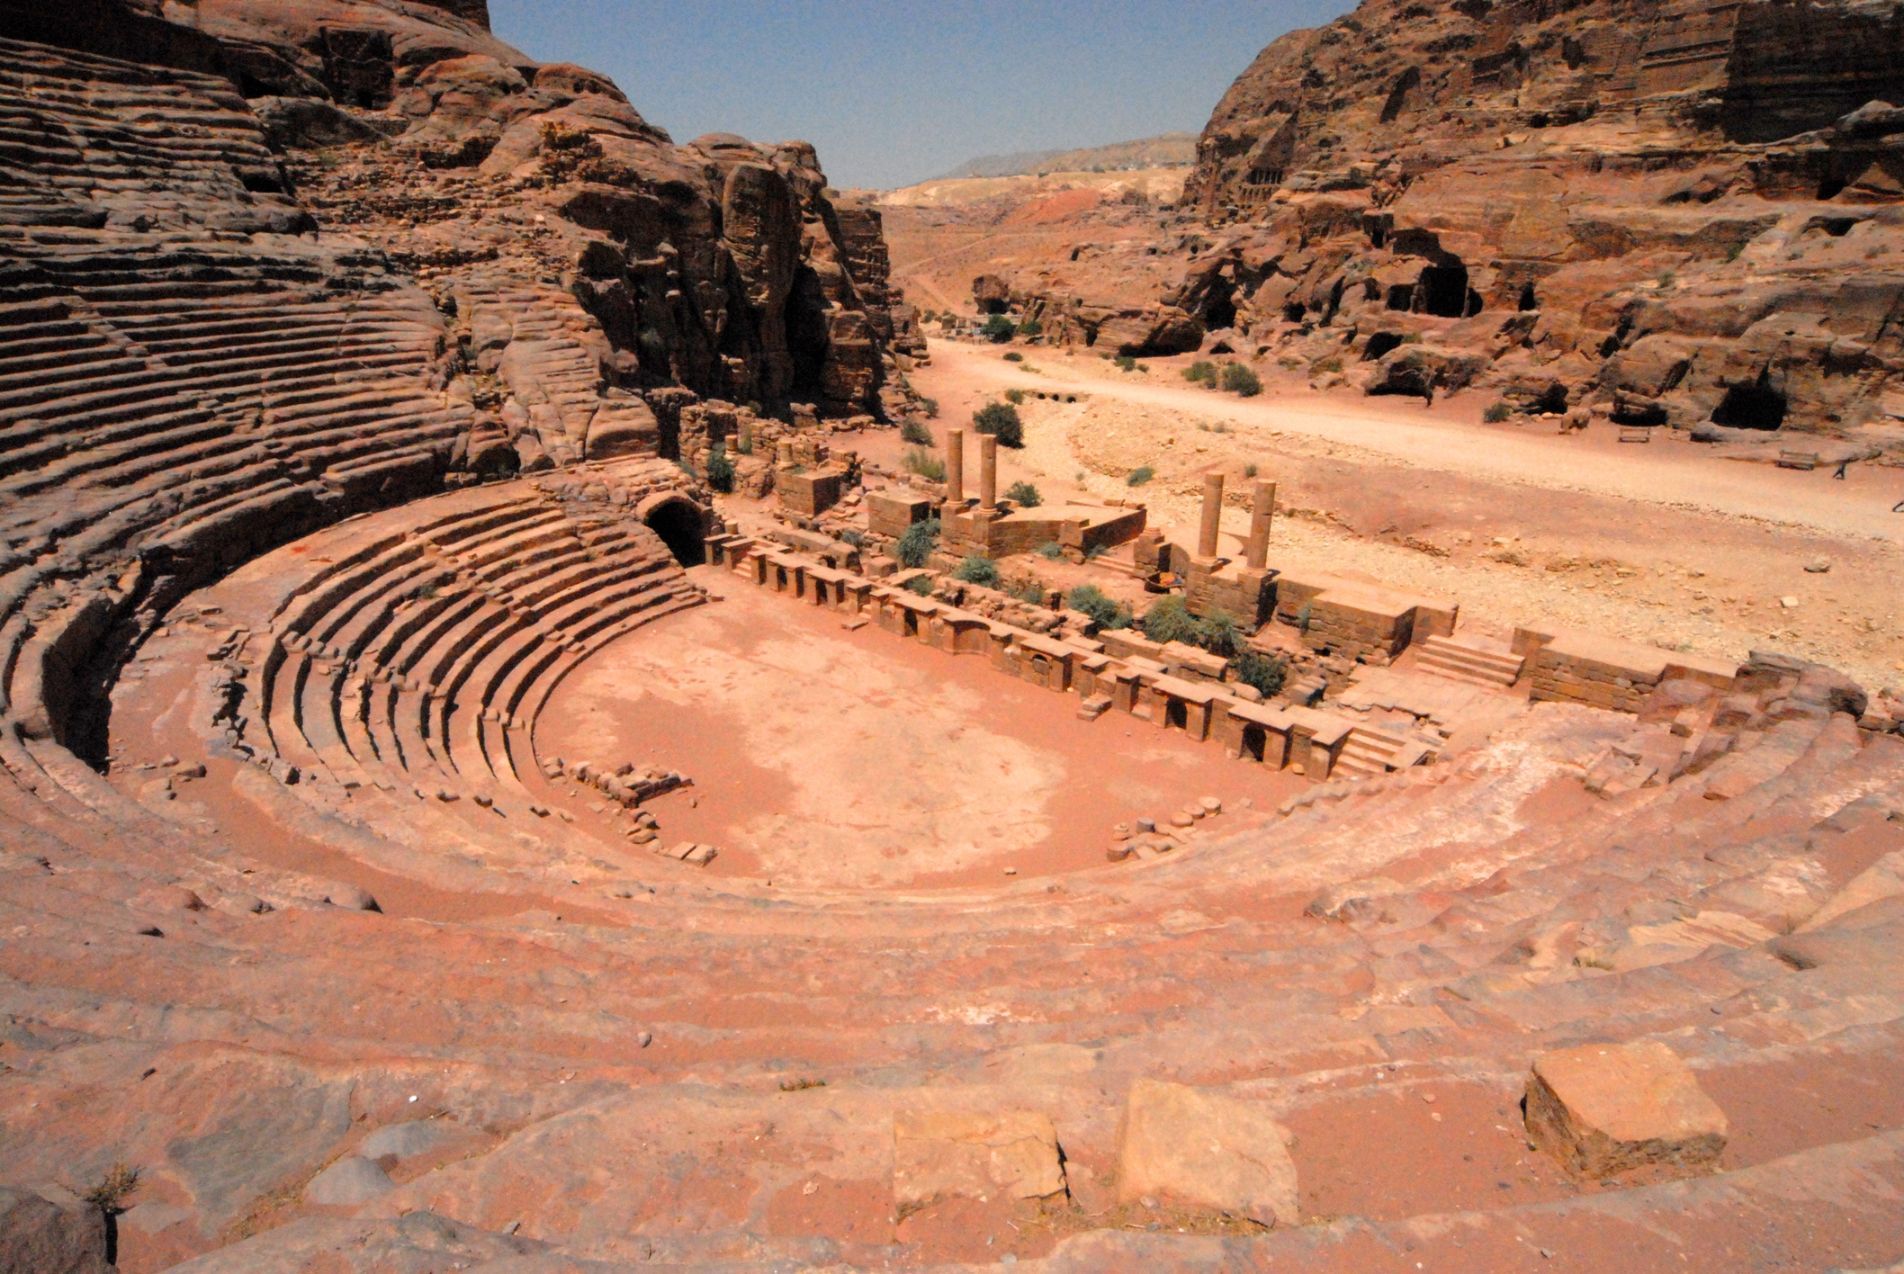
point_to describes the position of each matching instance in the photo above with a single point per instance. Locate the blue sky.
(893, 93)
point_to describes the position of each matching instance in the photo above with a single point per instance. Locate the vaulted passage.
(681, 527)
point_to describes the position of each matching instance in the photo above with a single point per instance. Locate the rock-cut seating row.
(417, 660)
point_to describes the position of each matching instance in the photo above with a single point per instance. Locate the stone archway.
(681, 524)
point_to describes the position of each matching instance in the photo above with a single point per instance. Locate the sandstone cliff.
(1686, 212)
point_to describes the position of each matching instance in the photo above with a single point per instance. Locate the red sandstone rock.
(1205, 1150)
(1605, 1109)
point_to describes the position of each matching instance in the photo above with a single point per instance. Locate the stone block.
(1605, 1109)
(1205, 1150)
(945, 1154)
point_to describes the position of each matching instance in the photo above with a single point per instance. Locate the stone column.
(1212, 514)
(987, 471)
(955, 466)
(746, 444)
(783, 454)
(1262, 515)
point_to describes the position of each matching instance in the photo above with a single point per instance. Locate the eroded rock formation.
(1686, 213)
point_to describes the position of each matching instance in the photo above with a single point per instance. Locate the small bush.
(1013, 356)
(931, 408)
(1266, 673)
(1051, 550)
(110, 1192)
(854, 537)
(1218, 633)
(1241, 381)
(998, 329)
(920, 584)
(1170, 620)
(1203, 371)
(1497, 411)
(1032, 594)
(1014, 396)
(1139, 476)
(914, 430)
(1024, 495)
(1091, 600)
(1002, 422)
(1249, 470)
(1326, 365)
(929, 465)
(1030, 327)
(916, 545)
(1125, 363)
(720, 470)
(978, 570)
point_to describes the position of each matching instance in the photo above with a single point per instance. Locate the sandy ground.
(1663, 543)
(868, 760)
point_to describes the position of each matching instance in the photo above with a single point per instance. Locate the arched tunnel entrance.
(682, 526)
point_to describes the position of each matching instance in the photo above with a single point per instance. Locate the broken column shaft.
(1212, 514)
(1262, 516)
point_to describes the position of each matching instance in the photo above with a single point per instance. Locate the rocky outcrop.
(1678, 213)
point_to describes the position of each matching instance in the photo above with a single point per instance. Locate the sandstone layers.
(1684, 213)
(343, 355)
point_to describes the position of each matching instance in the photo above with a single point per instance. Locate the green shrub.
(1002, 422)
(1030, 327)
(929, 465)
(1249, 470)
(1125, 363)
(853, 536)
(1329, 364)
(931, 408)
(1014, 396)
(1032, 593)
(1051, 550)
(1201, 372)
(1241, 381)
(1218, 633)
(720, 470)
(998, 329)
(1024, 495)
(1497, 411)
(1013, 356)
(1266, 673)
(1139, 476)
(1170, 620)
(920, 584)
(914, 430)
(978, 570)
(916, 545)
(1091, 600)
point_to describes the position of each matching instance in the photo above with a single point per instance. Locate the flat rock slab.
(347, 1183)
(1206, 1150)
(51, 1232)
(1604, 1109)
(945, 1154)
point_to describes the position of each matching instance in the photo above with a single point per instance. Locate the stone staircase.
(1474, 665)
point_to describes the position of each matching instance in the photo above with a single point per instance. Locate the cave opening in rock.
(1381, 343)
(1530, 300)
(1293, 312)
(1443, 291)
(1755, 405)
(1220, 309)
(807, 335)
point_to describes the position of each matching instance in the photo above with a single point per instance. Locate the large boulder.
(1204, 1149)
(1607, 1109)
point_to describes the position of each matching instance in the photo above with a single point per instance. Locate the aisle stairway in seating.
(1475, 665)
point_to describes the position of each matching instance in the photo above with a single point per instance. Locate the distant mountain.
(1171, 150)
